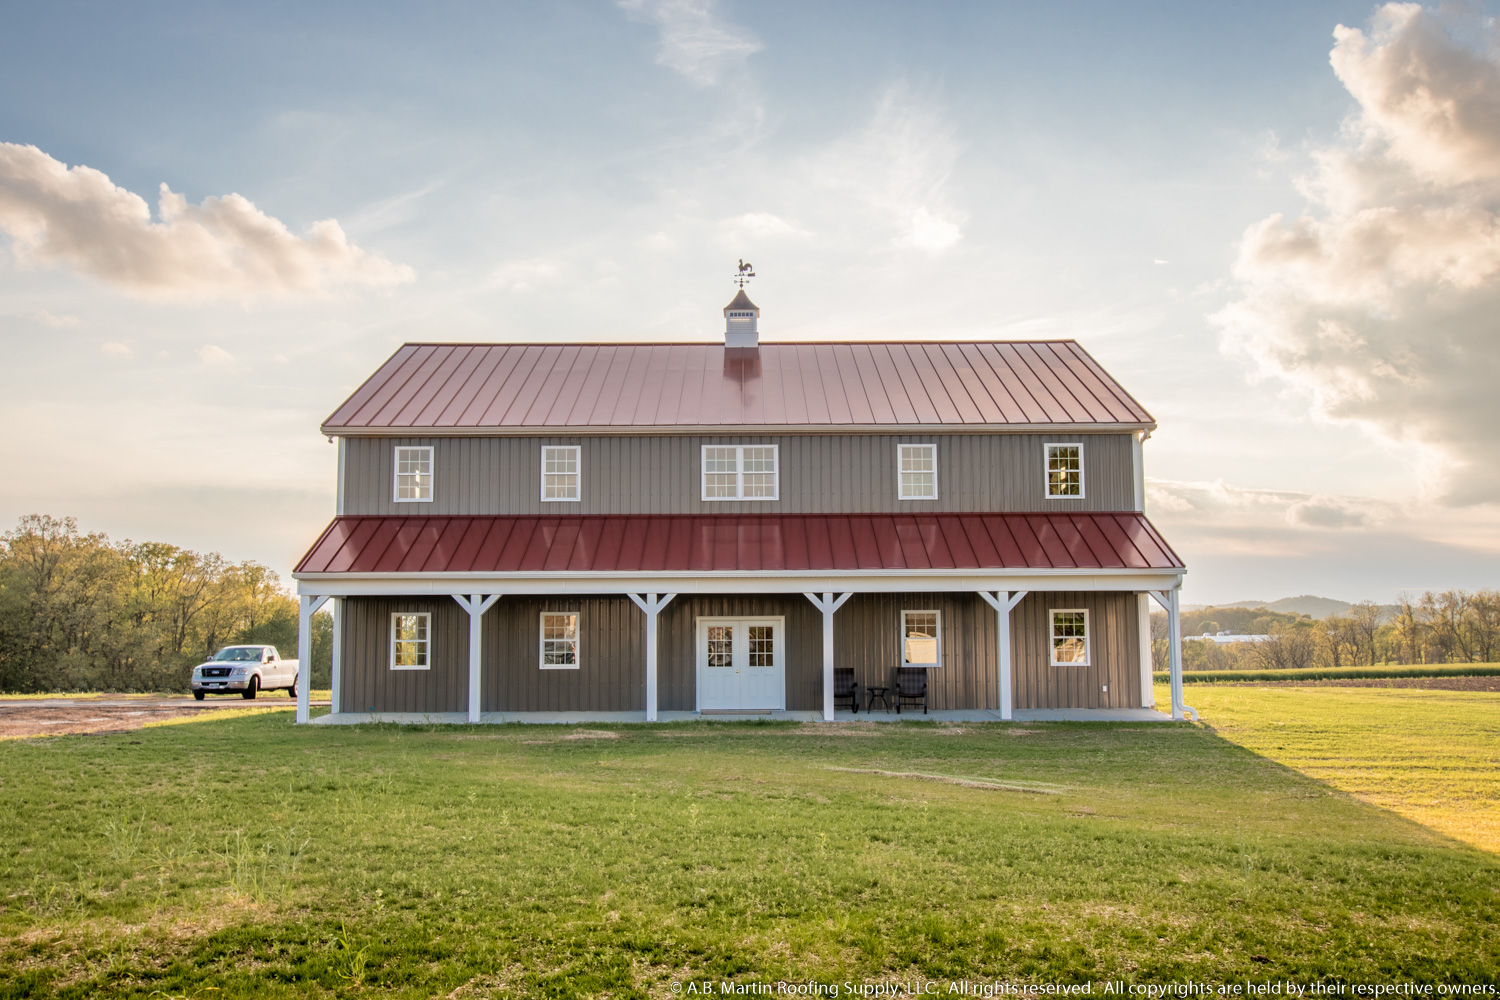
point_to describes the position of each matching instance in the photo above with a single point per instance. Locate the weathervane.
(747, 271)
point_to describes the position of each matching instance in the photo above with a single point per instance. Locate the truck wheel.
(249, 693)
(292, 691)
(197, 694)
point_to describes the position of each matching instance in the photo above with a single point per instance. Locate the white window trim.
(739, 475)
(396, 473)
(426, 643)
(938, 618)
(1088, 637)
(1047, 471)
(577, 464)
(900, 487)
(541, 643)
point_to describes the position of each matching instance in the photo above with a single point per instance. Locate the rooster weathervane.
(747, 271)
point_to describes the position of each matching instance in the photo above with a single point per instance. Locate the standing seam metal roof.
(458, 387)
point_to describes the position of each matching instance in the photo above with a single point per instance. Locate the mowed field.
(1305, 834)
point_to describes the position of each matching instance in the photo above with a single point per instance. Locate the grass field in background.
(257, 858)
(1431, 756)
(1332, 673)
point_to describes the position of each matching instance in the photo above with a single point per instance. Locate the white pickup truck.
(246, 671)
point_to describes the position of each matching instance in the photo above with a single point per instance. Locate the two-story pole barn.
(634, 531)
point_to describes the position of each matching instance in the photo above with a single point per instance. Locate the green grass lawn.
(247, 856)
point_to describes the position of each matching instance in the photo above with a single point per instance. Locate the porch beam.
(1004, 602)
(651, 605)
(307, 607)
(828, 604)
(476, 605)
(1169, 599)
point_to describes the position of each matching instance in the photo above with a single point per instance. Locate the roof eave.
(607, 430)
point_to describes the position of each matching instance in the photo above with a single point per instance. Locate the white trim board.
(871, 581)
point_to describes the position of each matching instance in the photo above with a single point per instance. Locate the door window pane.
(721, 645)
(762, 646)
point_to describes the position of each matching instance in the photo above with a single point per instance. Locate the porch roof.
(735, 543)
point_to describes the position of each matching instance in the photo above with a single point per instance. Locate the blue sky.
(588, 171)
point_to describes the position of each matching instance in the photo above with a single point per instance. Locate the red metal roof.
(734, 543)
(456, 387)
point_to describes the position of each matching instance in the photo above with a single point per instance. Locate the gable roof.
(621, 388)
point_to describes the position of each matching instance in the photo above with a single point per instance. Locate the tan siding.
(867, 637)
(369, 683)
(819, 474)
(611, 676)
(1114, 653)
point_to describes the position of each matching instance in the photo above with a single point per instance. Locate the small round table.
(871, 693)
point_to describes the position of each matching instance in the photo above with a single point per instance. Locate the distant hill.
(1307, 604)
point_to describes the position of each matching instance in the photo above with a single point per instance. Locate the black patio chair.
(911, 686)
(845, 686)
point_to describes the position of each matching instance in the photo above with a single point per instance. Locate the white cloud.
(897, 165)
(1381, 304)
(225, 247)
(114, 349)
(215, 357)
(522, 275)
(1225, 504)
(53, 320)
(759, 226)
(694, 41)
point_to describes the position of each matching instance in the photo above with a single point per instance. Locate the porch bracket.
(1004, 602)
(651, 604)
(476, 605)
(828, 604)
(1168, 599)
(308, 607)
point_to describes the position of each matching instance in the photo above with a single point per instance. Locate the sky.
(1275, 223)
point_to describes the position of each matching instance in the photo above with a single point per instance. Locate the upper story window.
(919, 639)
(918, 475)
(413, 475)
(409, 640)
(740, 472)
(560, 477)
(1064, 470)
(1070, 638)
(559, 640)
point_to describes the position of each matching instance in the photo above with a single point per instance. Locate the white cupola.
(740, 320)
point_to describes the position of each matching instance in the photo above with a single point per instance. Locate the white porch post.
(308, 607)
(1169, 599)
(651, 604)
(476, 605)
(828, 604)
(337, 681)
(1004, 602)
(1143, 619)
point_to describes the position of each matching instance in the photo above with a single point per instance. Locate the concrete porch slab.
(579, 718)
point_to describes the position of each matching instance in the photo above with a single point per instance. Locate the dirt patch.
(592, 734)
(1430, 683)
(28, 717)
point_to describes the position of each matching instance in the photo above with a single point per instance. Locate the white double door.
(741, 664)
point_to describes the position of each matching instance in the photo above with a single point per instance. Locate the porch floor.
(574, 718)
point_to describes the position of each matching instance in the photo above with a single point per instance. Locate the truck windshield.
(238, 654)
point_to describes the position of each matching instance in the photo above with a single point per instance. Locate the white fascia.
(868, 581)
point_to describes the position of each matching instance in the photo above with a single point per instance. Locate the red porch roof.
(734, 543)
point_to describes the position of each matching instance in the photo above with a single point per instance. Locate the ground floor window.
(559, 640)
(1070, 637)
(919, 638)
(409, 640)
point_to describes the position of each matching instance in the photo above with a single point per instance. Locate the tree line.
(79, 612)
(1453, 626)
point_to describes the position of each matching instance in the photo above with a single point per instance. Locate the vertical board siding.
(820, 474)
(867, 637)
(612, 647)
(677, 663)
(611, 676)
(1114, 652)
(368, 682)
